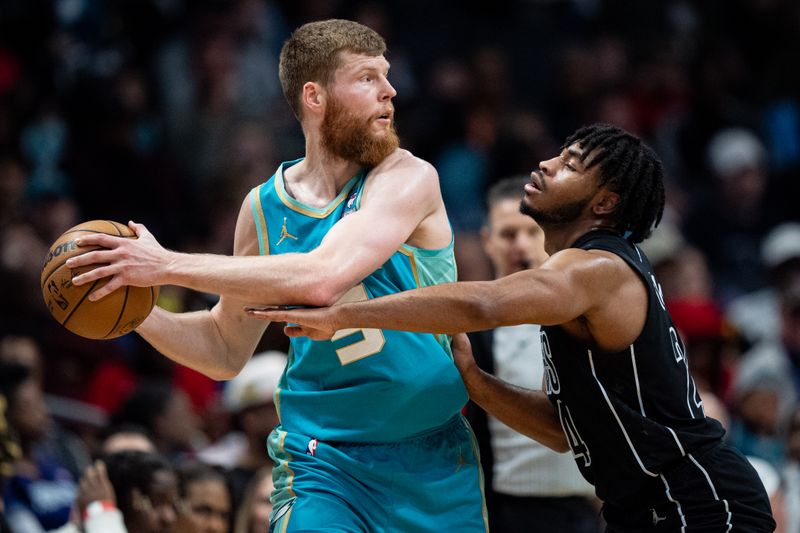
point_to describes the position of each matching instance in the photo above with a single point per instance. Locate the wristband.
(97, 507)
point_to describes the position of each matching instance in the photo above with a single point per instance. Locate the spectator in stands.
(58, 442)
(728, 226)
(253, 513)
(40, 491)
(9, 453)
(126, 437)
(759, 414)
(757, 314)
(249, 396)
(771, 479)
(205, 500)
(463, 172)
(768, 383)
(164, 411)
(146, 489)
(96, 505)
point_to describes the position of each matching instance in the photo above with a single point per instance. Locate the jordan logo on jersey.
(285, 233)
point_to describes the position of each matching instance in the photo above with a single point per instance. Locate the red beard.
(349, 137)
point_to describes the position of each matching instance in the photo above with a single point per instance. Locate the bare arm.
(526, 411)
(397, 200)
(217, 342)
(557, 292)
(589, 292)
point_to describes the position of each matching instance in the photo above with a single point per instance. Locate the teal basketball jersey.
(364, 385)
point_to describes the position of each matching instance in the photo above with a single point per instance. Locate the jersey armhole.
(259, 220)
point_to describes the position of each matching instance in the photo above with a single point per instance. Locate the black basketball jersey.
(627, 415)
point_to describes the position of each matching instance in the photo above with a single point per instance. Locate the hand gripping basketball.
(70, 303)
(133, 262)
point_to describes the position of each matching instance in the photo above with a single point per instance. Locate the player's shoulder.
(245, 235)
(403, 161)
(590, 263)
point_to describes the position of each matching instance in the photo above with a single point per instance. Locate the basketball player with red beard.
(370, 437)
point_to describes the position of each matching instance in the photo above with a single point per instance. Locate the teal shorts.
(429, 483)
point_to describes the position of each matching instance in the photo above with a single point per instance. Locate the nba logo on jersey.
(312, 447)
(350, 206)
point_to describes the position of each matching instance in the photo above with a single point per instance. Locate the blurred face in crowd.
(155, 511)
(28, 412)
(123, 441)
(513, 241)
(206, 508)
(262, 507)
(22, 350)
(258, 421)
(359, 116)
(178, 424)
(758, 409)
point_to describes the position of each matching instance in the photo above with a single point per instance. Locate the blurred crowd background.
(167, 112)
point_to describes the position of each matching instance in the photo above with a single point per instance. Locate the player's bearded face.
(350, 137)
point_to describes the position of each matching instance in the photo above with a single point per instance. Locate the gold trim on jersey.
(413, 260)
(289, 469)
(313, 212)
(260, 221)
(481, 482)
(278, 404)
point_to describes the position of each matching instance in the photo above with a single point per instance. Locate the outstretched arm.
(557, 292)
(592, 293)
(397, 200)
(526, 411)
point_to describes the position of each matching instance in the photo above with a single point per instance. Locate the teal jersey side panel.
(364, 385)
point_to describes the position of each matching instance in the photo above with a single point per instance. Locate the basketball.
(113, 315)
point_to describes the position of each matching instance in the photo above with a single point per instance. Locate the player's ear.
(313, 98)
(606, 202)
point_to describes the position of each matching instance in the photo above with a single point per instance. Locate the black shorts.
(716, 490)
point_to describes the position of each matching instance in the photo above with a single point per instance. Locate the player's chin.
(380, 133)
(527, 204)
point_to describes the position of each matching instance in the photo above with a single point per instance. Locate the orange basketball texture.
(113, 315)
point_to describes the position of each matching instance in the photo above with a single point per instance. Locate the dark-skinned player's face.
(561, 189)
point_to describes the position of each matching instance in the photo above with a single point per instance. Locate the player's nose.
(546, 166)
(388, 91)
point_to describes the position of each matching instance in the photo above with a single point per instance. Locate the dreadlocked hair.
(629, 168)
